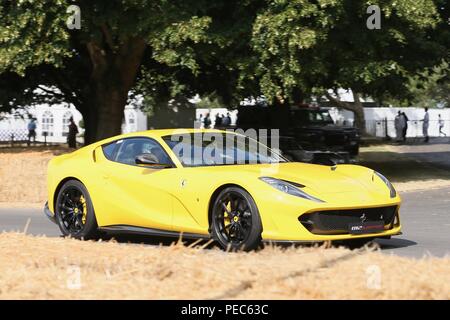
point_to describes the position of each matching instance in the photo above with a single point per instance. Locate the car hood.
(323, 179)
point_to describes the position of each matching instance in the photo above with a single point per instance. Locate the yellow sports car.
(214, 184)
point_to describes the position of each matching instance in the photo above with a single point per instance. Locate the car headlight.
(393, 193)
(288, 188)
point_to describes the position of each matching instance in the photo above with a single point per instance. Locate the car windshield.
(289, 144)
(216, 148)
(314, 116)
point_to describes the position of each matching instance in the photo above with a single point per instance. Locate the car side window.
(109, 150)
(129, 149)
(299, 116)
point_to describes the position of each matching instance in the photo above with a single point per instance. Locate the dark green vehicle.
(312, 128)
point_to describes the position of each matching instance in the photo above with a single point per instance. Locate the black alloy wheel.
(74, 211)
(236, 223)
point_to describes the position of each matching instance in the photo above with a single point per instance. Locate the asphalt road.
(435, 153)
(425, 217)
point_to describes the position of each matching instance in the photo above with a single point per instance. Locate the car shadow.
(156, 240)
(382, 244)
(395, 243)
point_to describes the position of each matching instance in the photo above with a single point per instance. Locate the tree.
(432, 87)
(286, 50)
(94, 67)
(224, 61)
(429, 88)
(308, 47)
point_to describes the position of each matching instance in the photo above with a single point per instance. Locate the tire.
(235, 220)
(74, 212)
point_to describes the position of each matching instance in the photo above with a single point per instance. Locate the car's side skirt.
(164, 233)
(151, 231)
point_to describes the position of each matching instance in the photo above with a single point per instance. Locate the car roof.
(166, 132)
(156, 133)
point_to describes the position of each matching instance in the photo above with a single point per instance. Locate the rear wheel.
(236, 223)
(74, 211)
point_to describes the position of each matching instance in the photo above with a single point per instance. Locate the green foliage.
(211, 101)
(217, 59)
(32, 33)
(315, 45)
(167, 44)
(283, 36)
(429, 88)
(225, 50)
(38, 50)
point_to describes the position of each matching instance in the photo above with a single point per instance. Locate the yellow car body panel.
(178, 199)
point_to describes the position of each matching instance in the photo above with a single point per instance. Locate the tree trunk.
(297, 97)
(356, 107)
(104, 113)
(106, 95)
(90, 123)
(358, 111)
(111, 104)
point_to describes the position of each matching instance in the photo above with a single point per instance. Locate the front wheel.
(236, 224)
(74, 211)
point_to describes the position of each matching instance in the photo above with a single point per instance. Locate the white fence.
(380, 121)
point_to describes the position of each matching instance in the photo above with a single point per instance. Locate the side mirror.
(149, 160)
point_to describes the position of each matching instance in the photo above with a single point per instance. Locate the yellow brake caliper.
(226, 218)
(83, 201)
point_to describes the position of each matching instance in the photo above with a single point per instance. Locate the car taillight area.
(333, 222)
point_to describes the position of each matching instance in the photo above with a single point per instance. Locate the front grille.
(337, 221)
(336, 138)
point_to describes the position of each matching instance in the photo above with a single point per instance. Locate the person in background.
(398, 128)
(405, 127)
(441, 126)
(199, 121)
(72, 136)
(218, 121)
(207, 121)
(31, 130)
(227, 120)
(397, 125)
(425, 125)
